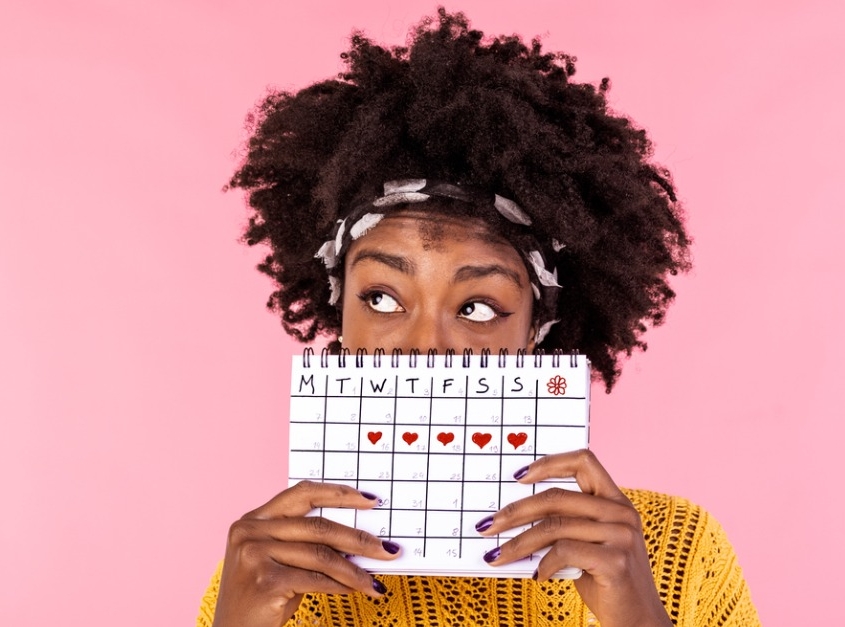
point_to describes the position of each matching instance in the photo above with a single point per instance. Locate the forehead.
(438, 233)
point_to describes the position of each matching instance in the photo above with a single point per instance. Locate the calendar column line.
(536, 416)
(463, 469)
(428, 463)
(501, 450)
(358, 454)
(325, 421)
(393, 457)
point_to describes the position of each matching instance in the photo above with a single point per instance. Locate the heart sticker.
(374, 436)
(481, 439)
(445, 438)
(409, 437)
(517, 439)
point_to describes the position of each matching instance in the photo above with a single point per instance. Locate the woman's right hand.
(275, 554)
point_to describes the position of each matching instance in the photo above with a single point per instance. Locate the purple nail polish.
(390, 547)
(379, 586)
(368, 495)
(519, 474)
(484, 524)
(536, 574)
(492, 554)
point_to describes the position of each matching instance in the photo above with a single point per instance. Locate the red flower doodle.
(557, 385)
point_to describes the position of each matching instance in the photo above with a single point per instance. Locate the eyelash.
(366, 296)
(501, 314)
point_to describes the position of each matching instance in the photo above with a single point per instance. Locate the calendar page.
(437, 438)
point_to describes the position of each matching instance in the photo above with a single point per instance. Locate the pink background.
(142, 383)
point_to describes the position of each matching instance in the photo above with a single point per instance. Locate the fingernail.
(368, 495)
(484, 524)
(390, 547)
(536, 574)
(519, 474)
(492, 554)
(379, 586)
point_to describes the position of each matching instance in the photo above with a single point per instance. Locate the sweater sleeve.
(209, 600)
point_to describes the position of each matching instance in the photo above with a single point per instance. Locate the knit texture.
(693, 564)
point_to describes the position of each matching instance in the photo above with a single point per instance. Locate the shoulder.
(675, 524)
(694, 565)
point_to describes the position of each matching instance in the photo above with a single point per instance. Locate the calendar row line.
(419, 397)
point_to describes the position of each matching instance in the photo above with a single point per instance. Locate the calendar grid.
(436, 457)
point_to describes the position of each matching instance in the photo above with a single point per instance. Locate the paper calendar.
(437, 438)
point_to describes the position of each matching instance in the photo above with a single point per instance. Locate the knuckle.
(305, 486)
(325, 554)
(630, 536)
(318, 526)
(618, 561)
(509, 510)
(250, 552)
(553, 495)
(317, 579)
(365, 540)
(550, 526)
(587, 458)
(513, 546)
(559, 549)
(241, 531)
(631, 518)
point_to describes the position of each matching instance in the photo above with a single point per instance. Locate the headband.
(364, 217)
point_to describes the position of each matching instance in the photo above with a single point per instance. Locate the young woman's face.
(427, 281)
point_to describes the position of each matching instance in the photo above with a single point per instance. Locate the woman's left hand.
(597, 530)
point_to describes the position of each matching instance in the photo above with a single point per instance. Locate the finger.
(306, 496)
(583, 465)
(587, 556)
(549, 531)
(320, 559)
(555, 502)
(292, 583)
(315, 530)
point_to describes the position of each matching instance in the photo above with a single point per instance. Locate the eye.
(381, 302)
(478, 312)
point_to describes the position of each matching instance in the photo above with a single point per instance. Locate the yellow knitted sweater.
(694, 568)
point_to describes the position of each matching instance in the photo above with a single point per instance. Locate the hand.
(597, 530)
(275, 555)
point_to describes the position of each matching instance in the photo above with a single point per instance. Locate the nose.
(426, 333)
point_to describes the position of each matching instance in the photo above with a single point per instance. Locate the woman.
(466, 194)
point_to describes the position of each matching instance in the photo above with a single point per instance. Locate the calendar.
(437, 438)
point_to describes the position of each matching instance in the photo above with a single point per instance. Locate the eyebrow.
(464, 273)
(467, 273)
(403, 264)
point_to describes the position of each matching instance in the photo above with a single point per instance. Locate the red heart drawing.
(445, 438)
(481, 439)
(374, 436)
(409, 437)
(517, 439)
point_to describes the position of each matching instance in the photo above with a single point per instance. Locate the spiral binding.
(413, 357)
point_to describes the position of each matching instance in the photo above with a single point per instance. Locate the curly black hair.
(493, 113)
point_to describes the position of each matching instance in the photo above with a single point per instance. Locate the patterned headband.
(364, 217)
